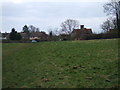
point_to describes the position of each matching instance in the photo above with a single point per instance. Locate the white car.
(33, 41)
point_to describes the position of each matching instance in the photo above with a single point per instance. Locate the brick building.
(78, 34)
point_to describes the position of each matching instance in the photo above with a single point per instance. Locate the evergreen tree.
(25, 29)
(14, 35)
(18, 36)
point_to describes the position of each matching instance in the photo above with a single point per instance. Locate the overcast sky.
(47, 14)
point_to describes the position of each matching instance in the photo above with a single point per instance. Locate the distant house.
(42, 36)
(5, 35)
(35, 36)
(24, 35)
(77, 34)
(112, 31)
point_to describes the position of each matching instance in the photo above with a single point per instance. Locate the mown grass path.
(69, 64)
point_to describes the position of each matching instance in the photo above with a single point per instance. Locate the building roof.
(84, 30)
(38, 34)
(5, 34)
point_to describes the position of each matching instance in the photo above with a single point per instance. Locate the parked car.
(33, 41)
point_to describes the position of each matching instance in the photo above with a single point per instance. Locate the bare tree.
(56, 31)
(108, 24)
(113, 8)
(32, 28)
(37, 30)
(68, 25)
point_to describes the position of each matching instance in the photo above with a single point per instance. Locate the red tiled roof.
(82, 30)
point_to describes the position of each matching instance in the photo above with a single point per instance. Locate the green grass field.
(65, 64)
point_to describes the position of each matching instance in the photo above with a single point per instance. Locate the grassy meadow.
(64, 64)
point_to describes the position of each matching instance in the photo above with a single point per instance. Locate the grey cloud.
(45, 14)
(52, 9)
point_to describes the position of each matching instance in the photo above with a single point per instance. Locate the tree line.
(14, 35)
(112, 9)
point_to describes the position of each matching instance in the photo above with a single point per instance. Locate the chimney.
(81, 26)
